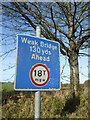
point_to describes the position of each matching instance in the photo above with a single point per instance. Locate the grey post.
(37, 94)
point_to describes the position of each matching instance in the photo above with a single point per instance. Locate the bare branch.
(81, 12)
(82, 40)
(22, 13)
(53, 22)
(6, 53)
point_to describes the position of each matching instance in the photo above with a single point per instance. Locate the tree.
(64, 22)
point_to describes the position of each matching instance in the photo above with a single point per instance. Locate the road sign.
(38, 64)
(39, 74)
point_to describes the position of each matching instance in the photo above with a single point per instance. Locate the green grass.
(7, 86)
(10, 86)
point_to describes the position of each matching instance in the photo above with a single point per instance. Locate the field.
(58, 104)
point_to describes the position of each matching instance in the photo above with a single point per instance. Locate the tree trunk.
(74, 73)
(73, 58)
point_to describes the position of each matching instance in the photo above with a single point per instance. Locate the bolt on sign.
(38, 64)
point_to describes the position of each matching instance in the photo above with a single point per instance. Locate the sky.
(8, 75)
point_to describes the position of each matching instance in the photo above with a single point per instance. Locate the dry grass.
(58, 104)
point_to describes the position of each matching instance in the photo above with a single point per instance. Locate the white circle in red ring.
(31, 74)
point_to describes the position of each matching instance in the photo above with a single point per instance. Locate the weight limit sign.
(39, 75)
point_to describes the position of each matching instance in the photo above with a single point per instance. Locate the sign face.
(38, 64)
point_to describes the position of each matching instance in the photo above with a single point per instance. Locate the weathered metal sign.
(38, 64)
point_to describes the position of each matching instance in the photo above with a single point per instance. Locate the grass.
(10, 86)
(7, 86)
(58, 104)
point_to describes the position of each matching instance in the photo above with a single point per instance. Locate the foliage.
(58, 104)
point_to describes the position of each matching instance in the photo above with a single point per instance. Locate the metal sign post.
(37, 94)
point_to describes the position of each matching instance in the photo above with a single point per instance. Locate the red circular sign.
(39, 74)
